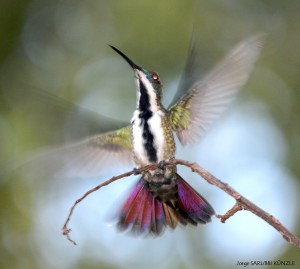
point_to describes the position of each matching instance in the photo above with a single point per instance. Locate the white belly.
(155, 127)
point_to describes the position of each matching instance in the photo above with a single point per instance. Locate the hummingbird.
(162, 198)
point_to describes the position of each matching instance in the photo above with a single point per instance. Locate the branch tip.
(236, 207)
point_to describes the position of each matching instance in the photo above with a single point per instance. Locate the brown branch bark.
(241, 202)
(65, 230)
(237, 207)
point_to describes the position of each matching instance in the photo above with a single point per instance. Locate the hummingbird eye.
(155, 76)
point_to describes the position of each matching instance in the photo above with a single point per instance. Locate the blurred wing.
(209, 97)
(50, 119)
(191, 71)
(91, 157)
(56, 119)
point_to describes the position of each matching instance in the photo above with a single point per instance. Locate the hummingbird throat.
(147, 130)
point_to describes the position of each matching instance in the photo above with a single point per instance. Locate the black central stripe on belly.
(145, 115)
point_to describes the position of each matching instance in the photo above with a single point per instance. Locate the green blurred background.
(60, 47)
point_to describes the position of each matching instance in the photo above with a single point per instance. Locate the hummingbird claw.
(136, 171)
(162, 165)
(160, 171)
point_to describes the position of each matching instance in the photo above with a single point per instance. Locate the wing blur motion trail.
(208, 97)
(60, 123)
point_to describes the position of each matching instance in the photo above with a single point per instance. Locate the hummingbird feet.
(160, 171)
(162, 164)
(165, 173)
(161, 168)
(136, 171)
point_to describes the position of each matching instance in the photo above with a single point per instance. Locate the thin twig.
(237, 207)
(65, 230)
(241, 201)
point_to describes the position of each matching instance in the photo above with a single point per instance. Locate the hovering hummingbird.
(162, 198)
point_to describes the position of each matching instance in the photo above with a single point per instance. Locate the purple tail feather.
(143, 213)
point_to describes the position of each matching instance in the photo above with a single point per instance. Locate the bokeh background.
(55, 65)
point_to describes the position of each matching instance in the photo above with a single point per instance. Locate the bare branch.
(65, 230)
(241, 202)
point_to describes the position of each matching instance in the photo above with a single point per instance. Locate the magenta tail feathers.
(143, 213)
(192, 204)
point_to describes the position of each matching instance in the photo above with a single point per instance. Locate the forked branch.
(241, 202)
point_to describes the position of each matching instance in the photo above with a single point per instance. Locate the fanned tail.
(142, 212)
(146, 213)
(192, 206)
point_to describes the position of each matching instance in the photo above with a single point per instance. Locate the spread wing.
(60, 122)
(91, 157)
(209, 97)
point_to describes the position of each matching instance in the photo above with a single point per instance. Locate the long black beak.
(131, 63)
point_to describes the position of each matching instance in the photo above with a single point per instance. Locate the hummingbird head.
(148, 84)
